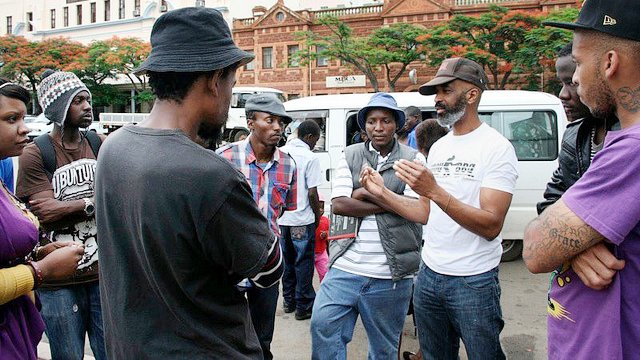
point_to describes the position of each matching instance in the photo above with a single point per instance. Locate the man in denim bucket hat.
(178, 223)
(593, 305)
(371, 273)
(465, 192)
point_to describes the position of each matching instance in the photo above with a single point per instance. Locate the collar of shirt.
(251, 157)
(380, 157)
(299, 143)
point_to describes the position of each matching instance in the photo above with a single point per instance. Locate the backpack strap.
(94, 141)
(48, 154)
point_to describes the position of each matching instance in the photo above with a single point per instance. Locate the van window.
(354, 134)
(319, 116)
(533, 134)
(239, 99)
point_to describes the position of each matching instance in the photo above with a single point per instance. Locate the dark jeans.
(69, 313)
(298, 243)
(448, 308)
(262, 305)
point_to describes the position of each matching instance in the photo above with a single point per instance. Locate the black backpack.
(49, 153)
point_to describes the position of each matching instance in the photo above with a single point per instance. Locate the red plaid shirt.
(274, 184)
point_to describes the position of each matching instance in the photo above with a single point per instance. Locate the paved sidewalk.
(523, 338)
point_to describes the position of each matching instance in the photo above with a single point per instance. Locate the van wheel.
(240, 135)
(511, 250)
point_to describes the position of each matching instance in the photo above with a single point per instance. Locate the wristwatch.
(89, 207)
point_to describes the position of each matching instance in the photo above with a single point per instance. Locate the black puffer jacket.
(574, 159)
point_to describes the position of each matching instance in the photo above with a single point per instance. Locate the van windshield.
(319, 116)
(239, 99)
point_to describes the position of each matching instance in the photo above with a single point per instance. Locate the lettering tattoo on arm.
(557, 236)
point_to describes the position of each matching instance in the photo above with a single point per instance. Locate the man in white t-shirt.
(298, 227)
(465, 192)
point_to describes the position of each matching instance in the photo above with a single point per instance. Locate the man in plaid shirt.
(271, 174)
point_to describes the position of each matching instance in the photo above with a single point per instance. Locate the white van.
(533, 121)
(236, 127)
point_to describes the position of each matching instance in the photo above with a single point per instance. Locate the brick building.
(270, 35)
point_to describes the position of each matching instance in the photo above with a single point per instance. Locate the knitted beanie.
(56, 92)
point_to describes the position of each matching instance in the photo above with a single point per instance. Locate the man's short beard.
(210, 135)
(604, 102)
(452, 114)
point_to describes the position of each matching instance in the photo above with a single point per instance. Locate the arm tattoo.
(562, 236)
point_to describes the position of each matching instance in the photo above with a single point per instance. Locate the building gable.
(413, 7)
(280, 15)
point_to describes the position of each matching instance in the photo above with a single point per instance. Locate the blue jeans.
(382, 305)
(262, 306)
(448, 308)
(298, 245)
(69, 313)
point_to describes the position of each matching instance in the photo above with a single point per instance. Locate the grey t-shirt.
(177, 228)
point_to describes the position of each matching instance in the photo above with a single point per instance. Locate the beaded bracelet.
(39, 278)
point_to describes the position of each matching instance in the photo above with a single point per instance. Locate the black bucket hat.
(616, 18)
(193, 39)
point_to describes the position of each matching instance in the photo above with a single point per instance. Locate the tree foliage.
(383, 48)
(396, 45)
(112, 59)
(24, 61)
(492, 39)
(504, 41)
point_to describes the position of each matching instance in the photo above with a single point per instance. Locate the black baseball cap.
(456, 68)
(613, 17)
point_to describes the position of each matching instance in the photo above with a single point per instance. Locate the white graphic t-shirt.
(75, 181)
(463, 165)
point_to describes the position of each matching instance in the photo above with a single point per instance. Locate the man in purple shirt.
(597, 315)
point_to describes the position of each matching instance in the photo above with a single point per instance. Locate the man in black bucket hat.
(179, 225)
(593, 306)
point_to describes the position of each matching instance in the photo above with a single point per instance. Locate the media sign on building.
(346, 81)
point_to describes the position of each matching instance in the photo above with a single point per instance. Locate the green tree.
(541, 44)
(112, 59)
(24, 60)
(504, 41)
(395, 45)
(384, 48)
(492, 39)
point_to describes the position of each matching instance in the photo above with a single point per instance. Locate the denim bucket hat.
(192, 39)
(381, 100)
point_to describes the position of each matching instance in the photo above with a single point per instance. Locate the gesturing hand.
(416, 175)
(372, 181)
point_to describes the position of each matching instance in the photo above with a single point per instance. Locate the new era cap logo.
(608, 20)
